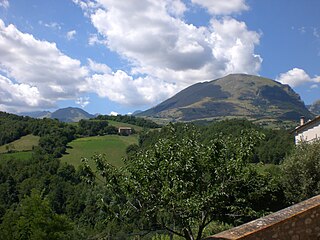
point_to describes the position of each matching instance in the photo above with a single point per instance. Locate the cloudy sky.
(123, 55)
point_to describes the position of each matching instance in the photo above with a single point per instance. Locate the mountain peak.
(68, 114)
(235, 95)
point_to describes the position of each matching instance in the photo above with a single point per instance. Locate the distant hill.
(315, 108)
(136, 112)
(37, 114)
(236, 95)
(69, 114)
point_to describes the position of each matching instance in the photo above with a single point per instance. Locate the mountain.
(37, 114)
(69, 114)
(315, 108)
(136, 112)
(236, 95)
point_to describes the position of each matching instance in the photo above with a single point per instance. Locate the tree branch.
(174, 232)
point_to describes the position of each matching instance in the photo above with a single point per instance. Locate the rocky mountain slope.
(315, 108)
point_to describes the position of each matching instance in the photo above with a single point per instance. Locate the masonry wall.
(298, 222)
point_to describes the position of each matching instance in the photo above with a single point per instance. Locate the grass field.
(25, 143)
(113, 146)
(120, 124)
(16, 155)
(116, 124)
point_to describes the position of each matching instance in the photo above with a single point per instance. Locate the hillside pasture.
(113, 146)
(25, 143)
(16, 155)
(120, 124)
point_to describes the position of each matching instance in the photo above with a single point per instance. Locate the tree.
(34, 219)
(301, 172)
(181, 185)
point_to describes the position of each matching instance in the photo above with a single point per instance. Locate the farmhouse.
(124, 130)
(307, 131)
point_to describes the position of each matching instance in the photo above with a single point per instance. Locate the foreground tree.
(301, 172)
(181, 185)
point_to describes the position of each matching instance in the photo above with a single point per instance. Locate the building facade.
(307, 131)
(124, 131)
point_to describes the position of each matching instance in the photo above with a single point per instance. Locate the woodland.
(181, 181)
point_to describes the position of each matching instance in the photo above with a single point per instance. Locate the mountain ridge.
(68, 114)
(235, 95)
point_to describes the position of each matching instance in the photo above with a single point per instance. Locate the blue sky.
(120, 56)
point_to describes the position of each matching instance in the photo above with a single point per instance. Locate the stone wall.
(298, 222)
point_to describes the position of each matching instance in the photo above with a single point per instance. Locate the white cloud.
(52, 25)
(122, 88)
(87, 6)
(39, 66)
(71, 34)
(112, 113)
(83, 101)
(4, 3)
(160, 45)
(95, 39)
(302, 30)
(296, 77)
(98, 67)
(222, 7)
(314, 86)
(176, 8)
(316, 33)
(22, 96)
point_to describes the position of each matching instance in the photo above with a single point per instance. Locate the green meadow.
(121, 124)
(16, 155)
(25, 143)
(113, 146)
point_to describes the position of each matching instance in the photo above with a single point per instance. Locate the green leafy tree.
(301, 172)
(181, 185)
(34, 219)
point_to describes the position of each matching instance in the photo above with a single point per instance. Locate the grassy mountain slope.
(236, 95)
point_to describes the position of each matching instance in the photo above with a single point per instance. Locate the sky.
(119, 56)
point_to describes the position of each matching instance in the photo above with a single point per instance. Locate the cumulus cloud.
(222, 7)
(38, 65)
(165, 53)
(83, 101)
(98, 67)
(123, 88)
(296, 77)
(24, 96)
(4, 3)
(113, 113)
(158, 43)
(71, 34)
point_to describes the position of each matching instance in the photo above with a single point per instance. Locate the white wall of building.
(309, 134)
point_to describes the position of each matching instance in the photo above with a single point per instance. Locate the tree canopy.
(181, 185)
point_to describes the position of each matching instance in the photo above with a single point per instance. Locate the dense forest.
(181, 181)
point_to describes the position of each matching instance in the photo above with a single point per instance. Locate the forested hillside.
(182, 180)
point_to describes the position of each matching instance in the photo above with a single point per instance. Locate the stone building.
(125, 131)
